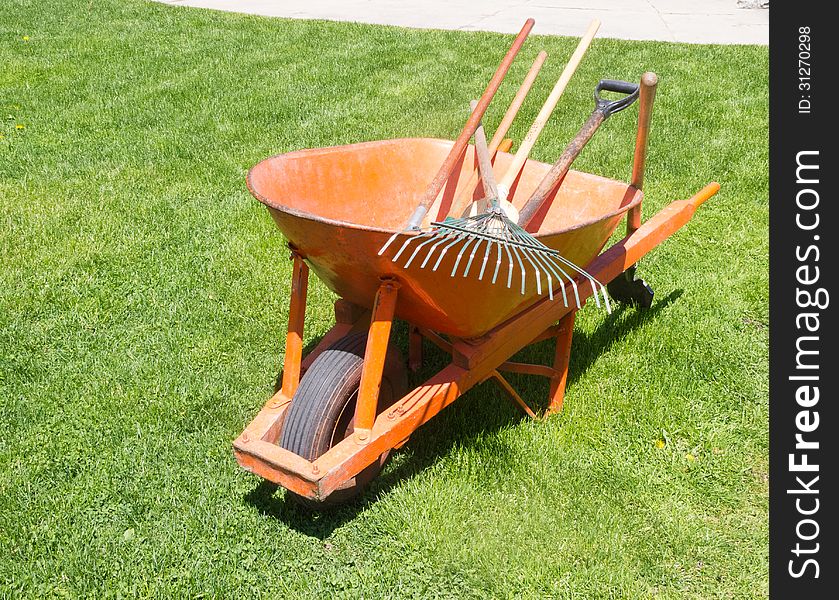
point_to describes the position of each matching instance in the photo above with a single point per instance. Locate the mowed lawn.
(143, 302)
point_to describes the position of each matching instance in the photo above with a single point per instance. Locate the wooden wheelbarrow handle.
(653, 232)
(461, 142)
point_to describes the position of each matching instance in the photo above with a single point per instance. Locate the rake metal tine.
(552, 268)
(571, 280)
(605, 298)
(536, 260)
(407, 243)
(558, 258)
(521, 266)
(546, 265)
(457, 238)
(402, 249)
(460, 255)
(594, 282)
(561, 282)
(497, 262)
(529, 257)
(522, 236)
(594, 291)
(484, 262)
(585, 274)
(472, 256)
(444, 237)
(591, 280)
(510, 268)
(576, 293)
(431, 237)
(389, 242)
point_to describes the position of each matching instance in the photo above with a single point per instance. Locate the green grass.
(143, 300)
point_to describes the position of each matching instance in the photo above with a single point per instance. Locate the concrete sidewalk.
(694, 21)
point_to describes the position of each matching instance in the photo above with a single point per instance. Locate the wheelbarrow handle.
(603, 109)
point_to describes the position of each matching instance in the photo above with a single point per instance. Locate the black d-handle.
(610, 107)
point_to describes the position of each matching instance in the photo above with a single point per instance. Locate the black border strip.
(803, 364)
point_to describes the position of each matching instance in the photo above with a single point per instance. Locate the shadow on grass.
(463, 423)
(586, 348)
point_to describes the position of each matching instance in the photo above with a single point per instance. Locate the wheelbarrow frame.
(473, 361)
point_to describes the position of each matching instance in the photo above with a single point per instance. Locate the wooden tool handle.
(460, 143)
(603, 109)
(539, 123)
(649, 81)
(465, 195)
(518, 100)
(484, 161)
(560, 168)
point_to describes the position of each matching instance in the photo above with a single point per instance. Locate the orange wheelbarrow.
(346, 405)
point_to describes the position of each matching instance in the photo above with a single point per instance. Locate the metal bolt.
(361, 437)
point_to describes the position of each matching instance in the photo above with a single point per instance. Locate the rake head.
(492, 237)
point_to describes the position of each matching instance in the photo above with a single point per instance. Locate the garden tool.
(465, 195)
(459, 147)
(539, 122)
(496, 231)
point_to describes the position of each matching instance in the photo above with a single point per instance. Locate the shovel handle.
(649, 81)
(461, 142)
(610, 107)
(603, 109)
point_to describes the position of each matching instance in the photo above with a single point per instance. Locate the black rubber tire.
(323, 406)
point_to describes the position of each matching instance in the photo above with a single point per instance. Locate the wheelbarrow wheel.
(323, 408)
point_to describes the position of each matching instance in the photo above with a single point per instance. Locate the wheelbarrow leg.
(629, 289)
(296, 315)
(562, 355)
(374, 360)
(414, 349)
(513, 394)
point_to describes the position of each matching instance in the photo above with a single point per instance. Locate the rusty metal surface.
(337, 206)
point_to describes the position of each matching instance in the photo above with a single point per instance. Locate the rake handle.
(462, 141)
(465, 195)
(602, 111)
(518, 100)
(485, 163)
(560, 168)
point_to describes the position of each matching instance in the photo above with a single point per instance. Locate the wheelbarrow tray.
(338, 206)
